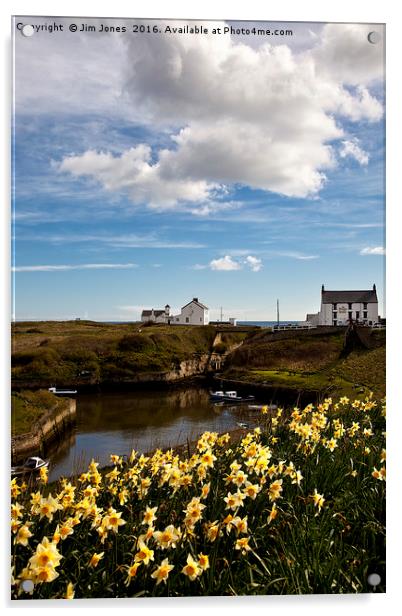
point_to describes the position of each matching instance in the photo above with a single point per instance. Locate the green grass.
(27, 407)
(310, 364)
(80, 352)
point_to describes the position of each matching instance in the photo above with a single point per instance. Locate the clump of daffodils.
(164, 521)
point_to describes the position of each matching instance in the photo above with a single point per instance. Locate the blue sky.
(151, 170)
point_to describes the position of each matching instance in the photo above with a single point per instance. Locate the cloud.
(375, 250)
(227, 263)
(254, 263)
(128, 240)
(351, 148)
(62, 268)
(265, 117)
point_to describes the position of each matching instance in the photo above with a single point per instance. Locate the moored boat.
(62, 392)
(31, 465)
(229, 396)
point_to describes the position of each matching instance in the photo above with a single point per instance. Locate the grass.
(27, 407)
(80, 352)
(310, 364)
(297, 506)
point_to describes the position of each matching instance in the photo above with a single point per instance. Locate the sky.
(150, 168)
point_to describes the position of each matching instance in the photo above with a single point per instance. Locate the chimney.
(195, 299)
(322, 288)
(374, 287)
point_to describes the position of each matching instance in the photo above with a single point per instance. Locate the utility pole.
(277, 312)
(221, 314)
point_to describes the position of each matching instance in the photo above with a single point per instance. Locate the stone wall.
(51, 426)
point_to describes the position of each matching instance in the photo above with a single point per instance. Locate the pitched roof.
(148, 313)
(337, 297)
(195, 301)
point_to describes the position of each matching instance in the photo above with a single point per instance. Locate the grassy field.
(27, 407)
(310, 364)
(79, 352)
(297, 506)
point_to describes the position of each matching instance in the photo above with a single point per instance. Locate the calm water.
(118, 422)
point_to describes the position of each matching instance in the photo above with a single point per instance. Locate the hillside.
(309, 361)
(86, 352)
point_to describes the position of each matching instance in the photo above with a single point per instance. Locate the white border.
(293, 10)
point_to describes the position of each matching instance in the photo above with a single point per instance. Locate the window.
(187, 319)
(177, 319)
(334, 322)
(201, 319)
(350, 314)
(365, 314)
(335, 315)
(350, 306)
(357, 315)
(365, 306)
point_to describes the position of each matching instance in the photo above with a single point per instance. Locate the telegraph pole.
(277, 312)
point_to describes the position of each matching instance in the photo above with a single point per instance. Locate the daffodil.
(167, 538)
(149, 516)
(318, 499)
(233, 501)
(144, 554)
(46, 553)
(272, 514)
(43, 474)
(251, 490)
(275, 489)
(96, 558)
(212, 530)
(161, 573)
(203, 561)
(70, 591)
(240, 524)
(132, 572)
(192, 569)
(243, 545)
(113, 520)
(23, 535)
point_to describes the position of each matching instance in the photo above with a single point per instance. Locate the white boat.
(62, 392)
(229, 396)
(31, 465)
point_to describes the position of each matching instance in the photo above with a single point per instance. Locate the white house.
(193, 313)
(341, 307)
(156, 316)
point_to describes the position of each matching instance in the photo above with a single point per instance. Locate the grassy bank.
(310, 363)
(28, 407)
(297, 506)
(81, 352)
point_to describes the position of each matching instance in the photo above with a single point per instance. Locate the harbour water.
(142, 420)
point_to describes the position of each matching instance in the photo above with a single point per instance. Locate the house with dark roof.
(193, 313)
(156, 316)
(342, 307)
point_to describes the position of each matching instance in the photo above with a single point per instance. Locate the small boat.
(241, 424)
(229, 396)
(31, 465)
(62, 392)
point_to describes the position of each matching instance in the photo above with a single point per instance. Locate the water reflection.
(143, 420)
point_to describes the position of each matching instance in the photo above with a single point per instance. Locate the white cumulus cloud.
(225, 264)
(373, 250)
(351, 148)
(228, 263)
(266, 117)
